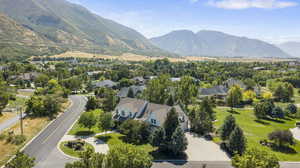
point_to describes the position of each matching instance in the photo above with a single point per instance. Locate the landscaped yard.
(255, 130)
(116, 138)
(72, 152)
(79, 130)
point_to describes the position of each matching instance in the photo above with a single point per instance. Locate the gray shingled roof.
(136, 89)
(105, 83)
(217, 90)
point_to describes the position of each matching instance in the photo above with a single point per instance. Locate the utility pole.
(21, 120)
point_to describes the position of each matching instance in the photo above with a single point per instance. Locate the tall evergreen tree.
(206, 106)
(171, 123)
(157, 138)
(237, 141)
(178, 142)
(227, 127)
(130, 93)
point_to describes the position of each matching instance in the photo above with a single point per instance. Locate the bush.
(282, 137)
(18, 139)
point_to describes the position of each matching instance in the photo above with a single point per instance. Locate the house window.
(153, 121)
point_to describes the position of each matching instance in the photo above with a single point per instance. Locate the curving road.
(44, 146)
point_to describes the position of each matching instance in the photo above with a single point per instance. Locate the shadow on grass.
(232, 111)
(104, 138)
(275, 120)
(262, 122)
(164, 155)
(283, 149)
(84, 133)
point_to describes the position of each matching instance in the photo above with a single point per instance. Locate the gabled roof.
(217, 90)
(231, 82)
(136, 89)
(105, 83)
(134, 105)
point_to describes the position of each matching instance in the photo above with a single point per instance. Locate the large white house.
(154, 114)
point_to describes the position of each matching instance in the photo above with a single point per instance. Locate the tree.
(157, 138)
(234, 97)
(88, 160)
(255, 158)
(4, 98)
(201, 122)
(227, 127)
(35, 107)
(207, 107)
(291, 109)
(127, 155)
(170, 100)
(106, 122)
(171, 123)
(157, 90)
(186, 90)
(92, 104)
(277, 112)
(41, 80)
(178, 142)
(21, 161)
(87, 120)
(130, 93)
(249, 96)
(237, 141)
(282, 137)
(51, 105)
(263, 108)
(110, 100)
(136, 132)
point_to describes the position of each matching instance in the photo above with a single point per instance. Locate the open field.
(134, 57)
(258, 130)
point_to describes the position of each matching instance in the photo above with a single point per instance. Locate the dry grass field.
(135, 57)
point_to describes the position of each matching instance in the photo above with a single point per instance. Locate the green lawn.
(116, 138)
(256, 131)
(71, 152)
(79, 130)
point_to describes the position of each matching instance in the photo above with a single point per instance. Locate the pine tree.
(171, 123)
(202, 123)
(130, 93)
(237, 141)
(227, 127)
(170, 101)
(157, 138)
(206, 106)
(178, 142)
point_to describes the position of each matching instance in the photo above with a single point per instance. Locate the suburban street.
(43, 147)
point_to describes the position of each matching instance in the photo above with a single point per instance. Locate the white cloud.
(244, 4)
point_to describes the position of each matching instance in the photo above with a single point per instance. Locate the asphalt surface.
(44, 147)
(11, 122)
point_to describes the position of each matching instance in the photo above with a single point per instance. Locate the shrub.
(18, 139)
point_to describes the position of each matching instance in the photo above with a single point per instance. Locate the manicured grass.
(258, 130)
(79, 130)
(116, 138)
(71, 152)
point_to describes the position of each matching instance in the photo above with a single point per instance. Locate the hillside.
(74, 27)
(212, 43)
(10, 35)
(292, 48)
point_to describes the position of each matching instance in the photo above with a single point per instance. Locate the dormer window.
(153, 121)
(181, 118)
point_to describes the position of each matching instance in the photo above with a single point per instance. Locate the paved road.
(210, 164)
(11, 122)
(43, 147)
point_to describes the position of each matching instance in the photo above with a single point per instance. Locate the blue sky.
(270, 20)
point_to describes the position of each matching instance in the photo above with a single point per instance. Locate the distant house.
(234, 82)
(136, 90)
(139, 80)
(105, 83)
(259, 68)
(93, 73)
(175, 79)
(154, 114)
(219, 91)
(29, 76)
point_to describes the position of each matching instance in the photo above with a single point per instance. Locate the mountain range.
(71, 26)
(213, 43)
(292, 48)
(46, 27)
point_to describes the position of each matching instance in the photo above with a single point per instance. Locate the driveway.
(200, 149)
